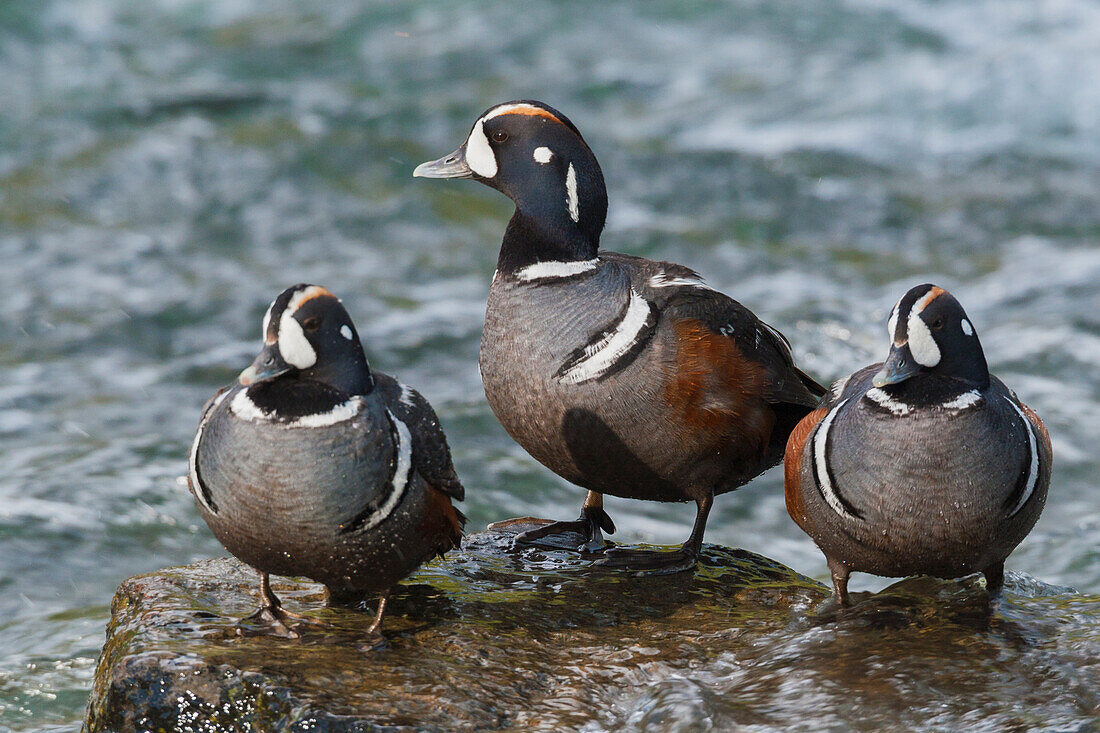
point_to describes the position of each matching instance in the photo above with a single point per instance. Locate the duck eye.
(311, 324)
(499, 136)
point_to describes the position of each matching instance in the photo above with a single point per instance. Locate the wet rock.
(494, 638)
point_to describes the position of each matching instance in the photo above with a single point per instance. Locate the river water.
(168, 166)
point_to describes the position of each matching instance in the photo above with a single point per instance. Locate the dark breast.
(927, 492)
(336, 503)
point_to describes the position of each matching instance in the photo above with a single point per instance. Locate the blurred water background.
(168, 166)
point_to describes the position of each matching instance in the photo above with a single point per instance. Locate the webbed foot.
(649, 562)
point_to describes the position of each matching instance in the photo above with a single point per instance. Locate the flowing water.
(168, 166)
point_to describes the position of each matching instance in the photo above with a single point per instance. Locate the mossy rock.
(496, 638)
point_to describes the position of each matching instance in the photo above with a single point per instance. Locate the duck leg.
(995, 579)
(840, 573)
(589, 524)
(373, 628)
(660, 562)
(272, 615)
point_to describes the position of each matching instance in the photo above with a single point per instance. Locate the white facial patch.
(571, 194)
(967, 328)
(479, 156)
(543, 155)
(345, 331)
(921, 344)
(293, 344)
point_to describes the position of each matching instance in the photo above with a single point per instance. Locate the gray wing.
(431, 454)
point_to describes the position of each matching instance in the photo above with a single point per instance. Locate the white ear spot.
(345, 331)
(967, 328)
(571, 194)
(543, 155)
(479, 156)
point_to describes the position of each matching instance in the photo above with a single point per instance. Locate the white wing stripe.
(821, 441)
(193, 458)
(400, 479)
(602, 355)
(1033, 471)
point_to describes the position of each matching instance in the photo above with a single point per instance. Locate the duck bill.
(267, 366)
(899, 366)
(449, 166)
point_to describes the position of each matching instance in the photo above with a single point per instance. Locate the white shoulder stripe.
(408, 395)
(879, 397)
(964, 401)
(599, 357)
(400, 480)
(555, 270)
(663, 280)
(193, 457)
(821, 442)
(837, 389)
(243, 407)
(1033, 471)
(339, 413)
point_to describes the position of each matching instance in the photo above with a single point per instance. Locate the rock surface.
(494, 638)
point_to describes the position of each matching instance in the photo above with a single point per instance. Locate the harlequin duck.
(926, 464)
(623, 375)
(314, 465)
